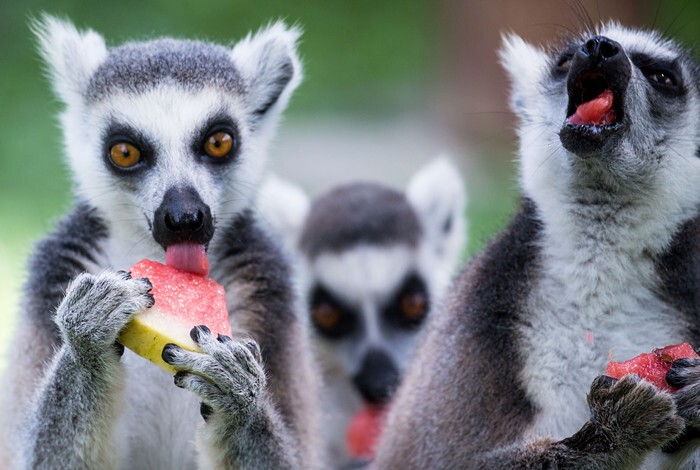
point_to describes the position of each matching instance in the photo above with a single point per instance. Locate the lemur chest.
(157, 428)
(577, 317)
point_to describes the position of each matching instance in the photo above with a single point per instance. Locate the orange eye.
(218, 144)
(124, 155)
(414, 305)
(326, 316)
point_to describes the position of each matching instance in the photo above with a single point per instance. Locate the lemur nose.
(378, 377)
(601, 48)
(184, 221)
(182, 217)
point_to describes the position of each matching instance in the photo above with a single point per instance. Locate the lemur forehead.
(137, 67)
(359, 214)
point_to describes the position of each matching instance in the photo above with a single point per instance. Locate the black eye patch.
(117, 134)
(331, 317)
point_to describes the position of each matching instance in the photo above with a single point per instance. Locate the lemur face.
(367, 305)
(605, 109)
(376, 262)
(167, 137)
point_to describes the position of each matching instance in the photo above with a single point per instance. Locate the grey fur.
(605, 242)
(134, 68)
(360, 213)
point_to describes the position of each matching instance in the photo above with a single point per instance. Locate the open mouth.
(592, 103)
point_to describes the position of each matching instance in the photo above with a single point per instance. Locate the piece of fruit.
(183, 300)
(364, 431)
(597, 111)
(652, 366)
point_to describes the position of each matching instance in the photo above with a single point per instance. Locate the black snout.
(378, 377)
(600, 48)
(599, 62)
(182, 217)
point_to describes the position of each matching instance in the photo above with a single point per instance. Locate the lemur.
(601, 258)
(375, 262)
(166, 143)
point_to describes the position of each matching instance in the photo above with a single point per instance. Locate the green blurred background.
(388, 84)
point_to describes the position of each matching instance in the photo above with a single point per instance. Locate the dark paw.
(633, 413)
(97, 307)
(684, 372)
(227, 375)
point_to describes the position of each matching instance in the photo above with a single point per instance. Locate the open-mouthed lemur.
(603, 256)
(375, 263)
(166, 142)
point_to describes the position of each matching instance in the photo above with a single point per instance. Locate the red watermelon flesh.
(597, 112)
(183, 300)
(652, 366)
(364, 431)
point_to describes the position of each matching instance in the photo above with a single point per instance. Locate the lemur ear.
(438, 196)
(526, 66)
(72, 56)
(283, 208)
(270, 67)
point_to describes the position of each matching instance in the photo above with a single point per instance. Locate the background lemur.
(166, 142)
(375, 263)
(602, 256)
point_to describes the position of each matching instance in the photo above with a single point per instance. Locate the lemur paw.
(633, 414)
(228, 376)
(685, 375)
(97, 307)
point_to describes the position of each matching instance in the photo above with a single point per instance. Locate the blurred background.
(389, 84)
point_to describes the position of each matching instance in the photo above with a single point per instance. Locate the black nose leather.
(182, 217)
(378, 377)
(601, 48)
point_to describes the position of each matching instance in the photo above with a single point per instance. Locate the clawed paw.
(633, 413)
(97, 307)
(227, 375)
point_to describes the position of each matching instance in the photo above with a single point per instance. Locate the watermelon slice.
(596, 112)
(183, 300)
(652, 366)
(364, 431)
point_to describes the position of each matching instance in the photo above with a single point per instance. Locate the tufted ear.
(72, 56)
(437, 193)
(283, 208)
(526, 66)
(271, 69)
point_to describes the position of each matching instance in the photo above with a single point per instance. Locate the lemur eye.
(326, 316)
(124, 155)
(662, 78)
(413, 305)
(565, 62)
(218, 145)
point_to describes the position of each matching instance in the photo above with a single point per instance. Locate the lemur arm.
(65, 420)
(258, 418)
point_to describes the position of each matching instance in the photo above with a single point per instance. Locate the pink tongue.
(188, 257)
(597, 111)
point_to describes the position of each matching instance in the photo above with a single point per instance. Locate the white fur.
(258, 57)
(437, 193)
(283, 206)
(72, 56)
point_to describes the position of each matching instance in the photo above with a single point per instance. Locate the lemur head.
(612, 112)
(167, 138)
(376, 261)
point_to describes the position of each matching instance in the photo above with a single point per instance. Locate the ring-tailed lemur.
(166, 142)
(375, 263)
(602, 256)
